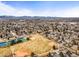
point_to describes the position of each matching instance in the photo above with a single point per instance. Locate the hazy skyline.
(40, 8)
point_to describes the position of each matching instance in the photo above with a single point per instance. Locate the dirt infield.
(38, 44)
(5, 52)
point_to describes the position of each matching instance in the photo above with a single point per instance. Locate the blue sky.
(40, 8)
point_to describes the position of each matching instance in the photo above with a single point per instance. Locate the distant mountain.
(72, 19)
(25, 17)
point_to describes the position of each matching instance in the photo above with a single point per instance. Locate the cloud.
(11, 11)
(70, 12)
(8, 10)
(5, 9)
